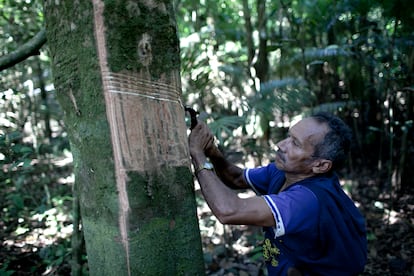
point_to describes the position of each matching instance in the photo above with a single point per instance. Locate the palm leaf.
(223, 127)
(288, 94)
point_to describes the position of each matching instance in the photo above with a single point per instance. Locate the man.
(311, 225)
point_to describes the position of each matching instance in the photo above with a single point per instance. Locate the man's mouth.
(280, 156)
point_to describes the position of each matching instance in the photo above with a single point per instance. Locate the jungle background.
(251, 67)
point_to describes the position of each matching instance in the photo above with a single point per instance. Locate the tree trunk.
(116, 69)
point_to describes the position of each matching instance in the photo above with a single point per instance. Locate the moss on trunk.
(162, 230)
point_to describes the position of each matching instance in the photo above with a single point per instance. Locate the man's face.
(294, 155)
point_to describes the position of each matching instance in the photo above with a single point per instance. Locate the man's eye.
(295, 143)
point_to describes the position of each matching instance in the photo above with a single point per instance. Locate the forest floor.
(35, 230)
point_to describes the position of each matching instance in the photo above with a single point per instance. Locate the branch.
(28, 49)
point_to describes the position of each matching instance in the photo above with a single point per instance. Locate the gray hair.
(336, 143)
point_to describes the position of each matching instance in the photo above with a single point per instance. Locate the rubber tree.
(116, 72)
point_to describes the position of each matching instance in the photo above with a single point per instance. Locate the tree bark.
(116, 68)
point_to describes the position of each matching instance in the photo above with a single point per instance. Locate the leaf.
(21, 230)
(256, 253)
(17, 200)
(225, 125)
(27, 163)
(22, 149)
(271, 85)
(13, 136)
(288, 94)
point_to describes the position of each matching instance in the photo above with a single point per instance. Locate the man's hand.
(201, 140)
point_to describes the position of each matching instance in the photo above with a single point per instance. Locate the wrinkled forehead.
(308, 130)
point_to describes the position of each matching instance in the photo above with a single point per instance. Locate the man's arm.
(230, 174)
(223, 201)
(201, 139)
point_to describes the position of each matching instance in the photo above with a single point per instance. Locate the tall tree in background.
(116, 70)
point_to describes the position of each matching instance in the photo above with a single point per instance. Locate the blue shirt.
(318, 230)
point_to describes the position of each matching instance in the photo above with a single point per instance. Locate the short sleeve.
(295, 210)
(264, 180)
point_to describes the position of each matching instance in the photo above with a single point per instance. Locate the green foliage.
(223, 128)
(4, 271)
(354, 58)
(31, 141)
(55, 255)
(285, 95)
(20, 20)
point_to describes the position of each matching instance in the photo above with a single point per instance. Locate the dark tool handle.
(193, 116)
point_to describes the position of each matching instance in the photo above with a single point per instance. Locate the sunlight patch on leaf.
(21, 230)
(223, 127)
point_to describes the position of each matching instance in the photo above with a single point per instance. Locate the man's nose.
(280, 145)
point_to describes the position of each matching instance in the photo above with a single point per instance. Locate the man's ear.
(322, 166)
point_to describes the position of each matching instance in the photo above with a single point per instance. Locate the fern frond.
(272, 85)
(224, 126)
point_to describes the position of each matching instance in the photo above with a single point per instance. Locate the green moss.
(163, 249)
(163, 218)
(162, 192)
(104, 241)
(163, 231)
(79, 90)
(163, 228)
(127, 25)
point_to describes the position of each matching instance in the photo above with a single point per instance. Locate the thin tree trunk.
(77, 236)
(249, 33)
(45, 111)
